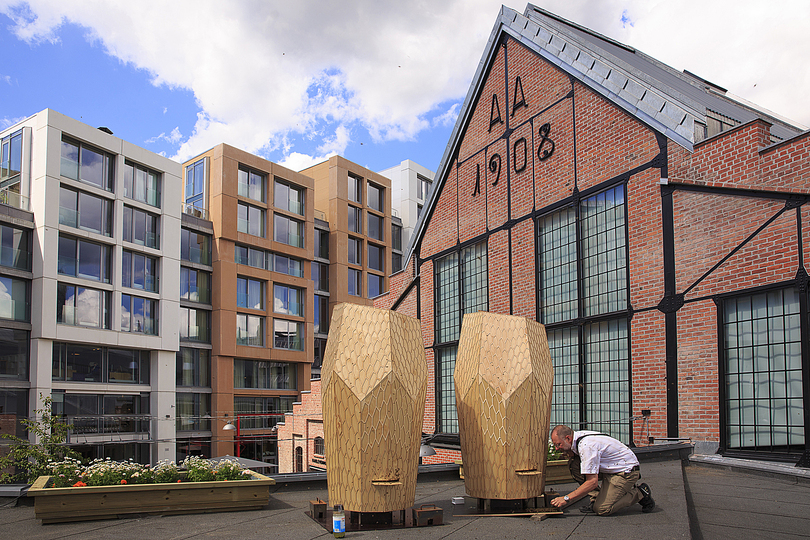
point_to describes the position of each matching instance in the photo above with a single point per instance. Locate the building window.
(251, 184)
(13, 355)
(257, 258)
(321, 314)
(396, 262)
(321, 244)
(250, 219)
(139, 271)
(14, 299)
(376, 285)
(288, 335)
(263, 375)
(288, 300)
(578, 281)
(193, 411)
(396, 237)
(376, 197)
(375, 226)
(320, 276)
(763, 375)
(422, 187)
(355, 217)
(418, 211)
(447, 415)
(355, 189)
(355, 282)
(355, 251)
(461, 283)
(461, 288)
(79, 258)
(139, 315)
(288, 265)
(81, 162)
(82, 306)
(288, 231)
(319, 345)
(288, 197)
(299, 459)
(141, 184)
(95, 414)
(93, 363)
(11, 149)
(273, 409)
(376, 257)
(195, 325)
(195, 184)
(249, 293)
(319, 447)
(195, 285)
(193, 367)
(141, 227)
(195, 247)
(15, 248)
(84, 211)
(249, 330)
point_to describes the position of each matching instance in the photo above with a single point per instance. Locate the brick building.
(650, 220)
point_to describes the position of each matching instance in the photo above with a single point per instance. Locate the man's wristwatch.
(565, 498)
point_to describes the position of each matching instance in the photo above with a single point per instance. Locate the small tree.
(26, 460)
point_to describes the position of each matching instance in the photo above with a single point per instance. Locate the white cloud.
(172, 138)
(267, 73)
(6, 78)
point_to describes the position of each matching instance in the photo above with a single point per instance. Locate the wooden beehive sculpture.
(503, 380)
(373, 385)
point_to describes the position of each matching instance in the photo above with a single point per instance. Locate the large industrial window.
(764, 405)
(141, 184)
(289, 197)
(461, 286)
(86, 164)
(583, 301)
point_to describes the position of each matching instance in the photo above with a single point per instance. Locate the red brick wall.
(609, 143)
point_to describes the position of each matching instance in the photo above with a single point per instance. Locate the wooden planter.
(57, 505)
(557, 472)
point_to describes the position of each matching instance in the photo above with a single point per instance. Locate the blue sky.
(377, 82)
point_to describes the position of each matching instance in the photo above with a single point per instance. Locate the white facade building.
(411, 185)
(102, 287)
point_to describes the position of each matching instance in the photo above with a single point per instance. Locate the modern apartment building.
(89, 267)
(411, 185)
(356, 203)
(261, 295)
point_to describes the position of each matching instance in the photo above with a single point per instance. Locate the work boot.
(647, 503)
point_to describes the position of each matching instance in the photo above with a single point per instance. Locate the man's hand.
(559, 502)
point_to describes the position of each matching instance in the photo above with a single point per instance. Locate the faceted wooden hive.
(503, 382)
(373, 385)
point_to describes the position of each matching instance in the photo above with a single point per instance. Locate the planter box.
(57, 505)
(557, 472)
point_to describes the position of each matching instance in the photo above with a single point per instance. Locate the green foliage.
(165, 472)
(25, 461)
(202, 470)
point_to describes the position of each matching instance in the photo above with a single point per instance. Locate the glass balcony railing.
(195, 211)
(12, 198)
(15, 258)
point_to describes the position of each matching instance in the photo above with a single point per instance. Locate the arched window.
(299, 459)
(319, 446)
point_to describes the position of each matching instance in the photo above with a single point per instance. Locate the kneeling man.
(602, 458)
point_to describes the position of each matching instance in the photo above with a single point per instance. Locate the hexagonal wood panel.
(373, 386)
(503, 382)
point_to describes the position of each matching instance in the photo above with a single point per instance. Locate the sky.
(376, 81)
